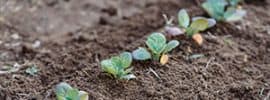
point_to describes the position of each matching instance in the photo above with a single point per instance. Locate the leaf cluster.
(224, 10)
(196, 25)
(32, 70)
(118, 66)
(65, 92)
(156, 43)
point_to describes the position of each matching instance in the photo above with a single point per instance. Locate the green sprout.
(224, 10)
(117, 66)
(198, 23)
(192, 28)
(156, 42)
(32, 70)
(65, 92)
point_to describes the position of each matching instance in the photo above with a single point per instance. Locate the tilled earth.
(67, 39)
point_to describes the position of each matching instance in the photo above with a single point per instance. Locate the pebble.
(36, 44)
(15, 36)
(2, 19)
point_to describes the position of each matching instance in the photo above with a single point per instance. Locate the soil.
(67, 39)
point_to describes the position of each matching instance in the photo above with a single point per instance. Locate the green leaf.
(62, 90)
(215, 8)
(121, 72)
(73, 94)
(183, 18)
(65, 92)
(117, 65)
(219, 6)
(32, 70)
(156, 43)
(171, 45)
(83, 95)
(199, 25)
(60, 98)
(122, 61)
(108, 67)
(211, 22)
(116, 61)
(233, 14)
(234, 2)
(126, 59)
(190, 31)
(105, 64)
(141, 54)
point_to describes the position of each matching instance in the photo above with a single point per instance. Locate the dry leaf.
(198, 38)
(164, 59)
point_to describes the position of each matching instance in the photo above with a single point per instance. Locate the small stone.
(2, 19)
(15, 36)
(36, 44)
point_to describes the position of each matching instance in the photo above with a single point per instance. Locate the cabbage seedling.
(156, 42)
(223, 10)
(197, 24)
(117, 66)
(65, 92)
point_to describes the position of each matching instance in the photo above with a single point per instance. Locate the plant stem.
(156, 57)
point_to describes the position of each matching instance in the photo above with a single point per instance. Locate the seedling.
(32, 70)
(65, 92)
(156, 42)
(193, 28)
(224, 10)
(117, 66)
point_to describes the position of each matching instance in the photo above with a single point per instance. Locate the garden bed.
(235, 62)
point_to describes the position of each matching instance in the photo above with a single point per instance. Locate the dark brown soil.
(75, 35)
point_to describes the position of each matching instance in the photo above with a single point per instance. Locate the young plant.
(224, 10)
(117, 66)
(192, 28)
(32, 70)
(65, 92)
(156, 42)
